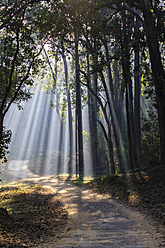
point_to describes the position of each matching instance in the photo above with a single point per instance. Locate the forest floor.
(111, 211)
(143, 190)
(29, 214)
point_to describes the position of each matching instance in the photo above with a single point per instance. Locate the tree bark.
(129, 94)
(90, 112)
(115, 125)
(69, 113)
(137, 89)
(1, 133)
(115, 111)
(76, 147)
(108, 136)
(110, 147)
(79, 111)
(158, 74)
(94, 112)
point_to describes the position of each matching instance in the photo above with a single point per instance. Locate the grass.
(34, 215)
(79, 182)
(10, 196)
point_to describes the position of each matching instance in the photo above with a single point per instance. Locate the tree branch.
(22, 81)
(53, 75)
(11, 72)
(124, 7)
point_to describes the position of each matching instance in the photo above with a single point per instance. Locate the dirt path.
(98, 221)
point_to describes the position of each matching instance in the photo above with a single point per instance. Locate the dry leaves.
(35, 215)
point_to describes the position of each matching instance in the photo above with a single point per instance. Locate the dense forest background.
(99, 60)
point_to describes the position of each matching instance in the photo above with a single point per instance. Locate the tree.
(152, 20)
(69, 110)
(19, 61)
(79, 110)
(153, 41)
(137, 81)
(11, 10)
(106, 40)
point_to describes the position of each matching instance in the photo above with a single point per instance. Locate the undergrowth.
(144, 190)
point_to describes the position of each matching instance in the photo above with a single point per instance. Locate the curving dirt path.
(98, 221)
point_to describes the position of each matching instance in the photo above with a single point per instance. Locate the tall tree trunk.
(119, 100)
(110, 147)
(69, 113)
(54, 76)
(60, 147)
(131, 139)
(110, 79)
(116, 129)
(107, 136)
(158, 74)
(79, 111)
(76, 143)
(129, 94)
(137, 89)
(112, 101)
(130, 117)
(90, 112)
(1, 133)
(94, 112)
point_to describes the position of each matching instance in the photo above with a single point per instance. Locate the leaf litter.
(29, 214)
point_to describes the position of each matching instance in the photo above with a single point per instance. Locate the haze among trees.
(112, 57)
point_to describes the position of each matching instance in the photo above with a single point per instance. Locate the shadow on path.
(98, 221)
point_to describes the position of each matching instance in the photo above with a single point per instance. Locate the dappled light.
(82, 123)
(30, 223)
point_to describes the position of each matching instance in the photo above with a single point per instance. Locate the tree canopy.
(117, 52)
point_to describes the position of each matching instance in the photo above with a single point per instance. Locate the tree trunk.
(1, 134)
(115, 125)
(107, 136)
(131, 146)
(76, 142)
(90, 111)
(94, 112)
(158, 75)
(115, 112)
(60, 147)
(79, 111)
(137, 90)
(129, 94)
(110, 147)
(69, 114)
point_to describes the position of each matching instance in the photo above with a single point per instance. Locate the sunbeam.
(40, 138)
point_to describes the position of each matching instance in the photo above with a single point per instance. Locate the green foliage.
(7, 193)
(24, 29)
(6, 138)
(20, 45)
(79, 182)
